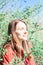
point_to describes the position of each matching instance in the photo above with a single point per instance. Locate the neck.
(20, 42)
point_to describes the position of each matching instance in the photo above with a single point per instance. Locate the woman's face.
(21, 31)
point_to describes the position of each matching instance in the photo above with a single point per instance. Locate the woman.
(18, 45)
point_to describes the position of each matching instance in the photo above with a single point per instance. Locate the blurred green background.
(30, 11)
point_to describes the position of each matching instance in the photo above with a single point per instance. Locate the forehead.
(21, 24)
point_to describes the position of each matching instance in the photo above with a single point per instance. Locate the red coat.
(9, 55)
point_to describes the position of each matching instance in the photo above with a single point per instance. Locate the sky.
(13, 5)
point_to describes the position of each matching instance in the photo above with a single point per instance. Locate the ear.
(15, 37)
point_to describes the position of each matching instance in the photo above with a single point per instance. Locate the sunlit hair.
(11, 30)
(12, 25)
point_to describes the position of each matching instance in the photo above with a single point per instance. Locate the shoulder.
(7, 45)
(9, 54)
(9, 51)
(8, 48)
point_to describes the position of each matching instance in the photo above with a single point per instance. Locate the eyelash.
(21, 28)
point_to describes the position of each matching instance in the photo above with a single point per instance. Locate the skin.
(21, 31)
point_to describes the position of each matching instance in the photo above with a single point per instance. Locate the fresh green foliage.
(35, 31)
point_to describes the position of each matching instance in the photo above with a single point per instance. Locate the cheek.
(19, 32)
(20, 36)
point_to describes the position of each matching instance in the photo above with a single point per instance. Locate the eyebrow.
(22, 28)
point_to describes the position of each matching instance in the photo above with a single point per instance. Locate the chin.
(24, 38)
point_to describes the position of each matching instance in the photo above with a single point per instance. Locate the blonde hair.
(11, 29)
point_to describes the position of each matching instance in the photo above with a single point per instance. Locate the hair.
(12, 25)
(11, 29)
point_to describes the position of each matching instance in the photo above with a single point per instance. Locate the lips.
(24, 37)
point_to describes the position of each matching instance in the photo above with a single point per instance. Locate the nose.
(25, 32)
